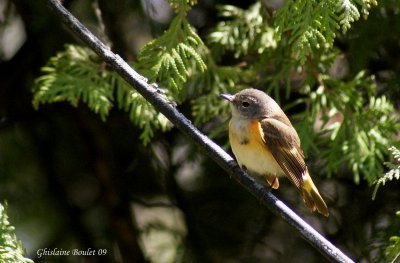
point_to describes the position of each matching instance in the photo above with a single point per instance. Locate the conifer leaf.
(348, 14)
(392, 251)
(392, 174)
(182, 6)
(243, 32)
(313, 24)
(11, 249)
(167, 59)
(74, 76)
(352, 115)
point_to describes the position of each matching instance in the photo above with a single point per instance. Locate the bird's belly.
(251, 151)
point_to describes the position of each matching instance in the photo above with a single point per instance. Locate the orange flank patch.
(253, 154)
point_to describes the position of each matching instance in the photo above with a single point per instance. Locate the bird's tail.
(312, 198)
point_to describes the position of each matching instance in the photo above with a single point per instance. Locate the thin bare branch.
(155, 97)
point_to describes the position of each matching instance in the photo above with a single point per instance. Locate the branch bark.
(152, 94)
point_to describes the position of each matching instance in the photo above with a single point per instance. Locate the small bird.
(265, 143)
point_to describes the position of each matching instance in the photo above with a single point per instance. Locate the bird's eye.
(245, 104)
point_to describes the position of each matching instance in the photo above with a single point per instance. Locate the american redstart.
(265, 143)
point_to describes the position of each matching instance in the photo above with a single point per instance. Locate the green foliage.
(182, 6)
(243, 32)
(393, 173)
(75, 75)
(297, 31)
(346, 122)
(355, 123)
(388, 241)
(392, 252)
(305, 25)
(140, 111)
(11, 249)
(170, 58)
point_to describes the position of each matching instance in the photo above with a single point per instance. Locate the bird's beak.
(227, 97)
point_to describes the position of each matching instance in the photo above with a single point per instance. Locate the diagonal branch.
(152, 94)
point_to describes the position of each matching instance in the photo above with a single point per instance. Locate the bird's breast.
(247, 141)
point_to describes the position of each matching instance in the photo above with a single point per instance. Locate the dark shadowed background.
(73, 181)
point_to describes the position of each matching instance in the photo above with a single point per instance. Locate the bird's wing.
(284, 144)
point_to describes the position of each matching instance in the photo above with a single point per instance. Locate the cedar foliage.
(356, 123)
(11, 249)
(296, 39)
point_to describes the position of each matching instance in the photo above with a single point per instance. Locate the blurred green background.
(73, 181)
